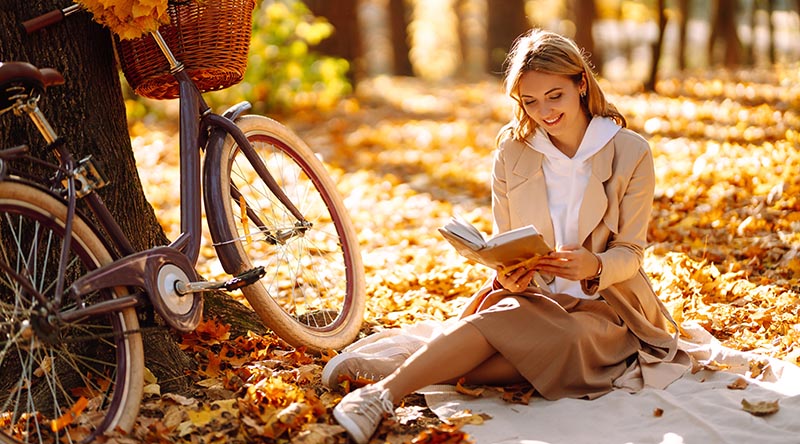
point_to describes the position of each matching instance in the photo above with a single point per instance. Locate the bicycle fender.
(237, 110)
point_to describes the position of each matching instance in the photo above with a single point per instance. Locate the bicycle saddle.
(21, 80)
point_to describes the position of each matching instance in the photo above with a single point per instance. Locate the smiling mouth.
(552, 121)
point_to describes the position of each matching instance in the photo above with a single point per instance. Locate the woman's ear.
(584, 85)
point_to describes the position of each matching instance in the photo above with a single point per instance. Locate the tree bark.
(88, 111)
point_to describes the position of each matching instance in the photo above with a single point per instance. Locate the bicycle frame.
(200, 129)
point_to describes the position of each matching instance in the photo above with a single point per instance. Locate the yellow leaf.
(201, 417)
(467, 417)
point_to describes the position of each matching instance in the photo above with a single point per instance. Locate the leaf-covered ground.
(725, 235)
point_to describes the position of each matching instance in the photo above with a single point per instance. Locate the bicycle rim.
(60, 382)
(313, 292)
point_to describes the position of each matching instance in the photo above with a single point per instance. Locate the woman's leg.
(496, 370)
(461, 351)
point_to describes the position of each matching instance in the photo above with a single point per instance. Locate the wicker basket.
(210, 37)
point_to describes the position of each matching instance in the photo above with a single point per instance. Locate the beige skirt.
(565, 347)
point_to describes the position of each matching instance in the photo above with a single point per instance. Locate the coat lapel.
(595, 201)
(528, 193)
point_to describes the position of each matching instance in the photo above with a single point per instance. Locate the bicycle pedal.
(244, 279)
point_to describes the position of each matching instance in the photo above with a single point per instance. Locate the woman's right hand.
(517, 280)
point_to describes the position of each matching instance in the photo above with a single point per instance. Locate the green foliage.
(284, 73)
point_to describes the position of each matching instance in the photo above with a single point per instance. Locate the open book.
(507, 251)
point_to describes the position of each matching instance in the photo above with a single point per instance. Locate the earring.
(583, 93)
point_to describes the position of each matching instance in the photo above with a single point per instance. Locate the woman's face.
(553, 102)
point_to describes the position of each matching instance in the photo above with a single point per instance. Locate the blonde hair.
(551, 53)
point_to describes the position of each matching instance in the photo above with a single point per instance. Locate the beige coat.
(613, 221)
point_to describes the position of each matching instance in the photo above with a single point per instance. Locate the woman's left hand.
(570, 262)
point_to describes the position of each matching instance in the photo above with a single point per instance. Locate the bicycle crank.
(249, 277)
(159, 271)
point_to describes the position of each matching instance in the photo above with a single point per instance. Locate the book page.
(517, 246)
(465, 231)
(513, 235)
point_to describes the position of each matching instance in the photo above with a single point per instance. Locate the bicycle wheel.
(61, 382)
(313, 293)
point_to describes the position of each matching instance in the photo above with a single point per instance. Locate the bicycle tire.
(50, 367)
(313, 293)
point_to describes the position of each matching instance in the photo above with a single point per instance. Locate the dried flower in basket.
(128, 19)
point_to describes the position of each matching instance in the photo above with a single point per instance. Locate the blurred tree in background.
(311, 53)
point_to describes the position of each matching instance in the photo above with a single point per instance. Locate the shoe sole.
(352, 428)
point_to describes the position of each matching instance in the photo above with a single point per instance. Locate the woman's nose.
(544, 110)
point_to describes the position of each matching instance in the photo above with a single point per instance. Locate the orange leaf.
(474, 392)
(70, 415)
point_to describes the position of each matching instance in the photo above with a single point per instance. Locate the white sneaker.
(357, 364)
(361, 411)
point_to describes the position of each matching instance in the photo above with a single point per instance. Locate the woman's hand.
(573, 263)
(516, 280)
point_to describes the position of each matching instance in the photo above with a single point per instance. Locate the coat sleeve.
(632, 193)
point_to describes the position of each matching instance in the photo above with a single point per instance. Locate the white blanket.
(698, 408)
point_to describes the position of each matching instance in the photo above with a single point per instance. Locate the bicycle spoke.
(312, 293)
(60, 379)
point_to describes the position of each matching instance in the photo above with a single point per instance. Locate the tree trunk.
(771, 28)
(345, 41)
(507, 20)
(683, 12)
(584, 14)
(472, 38)
(713, 24)
(650, 84)
(88, 111)
(400, 17)
(723, 31)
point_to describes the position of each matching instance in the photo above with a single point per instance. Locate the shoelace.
(375, 407)
(369, 375)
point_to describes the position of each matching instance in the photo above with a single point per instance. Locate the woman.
(584, 319)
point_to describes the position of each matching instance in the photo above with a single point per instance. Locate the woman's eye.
(555, 97)
(529, 102)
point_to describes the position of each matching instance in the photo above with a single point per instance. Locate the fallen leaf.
(758, 367)
(760, 408)
(66, 419)
(317, 434)
(474, 392)
(464, 417)
(738, 384)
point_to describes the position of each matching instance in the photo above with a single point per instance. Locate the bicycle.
(70, 341)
